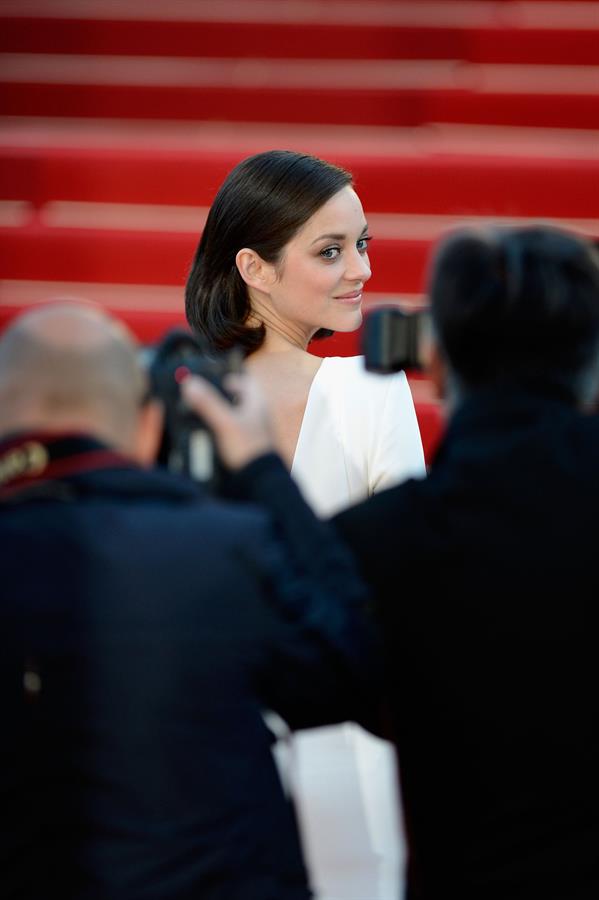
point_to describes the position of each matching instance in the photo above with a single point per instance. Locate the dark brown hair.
(518, 305)
(261, 204)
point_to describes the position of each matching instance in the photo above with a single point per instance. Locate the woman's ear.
(254, 270)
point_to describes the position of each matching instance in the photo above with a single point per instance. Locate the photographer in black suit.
(486, 578)
(143, 627)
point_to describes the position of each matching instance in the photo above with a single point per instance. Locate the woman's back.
(358, 434)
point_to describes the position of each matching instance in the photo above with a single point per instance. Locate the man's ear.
(254, 270)
(146, 441)
(436, 368)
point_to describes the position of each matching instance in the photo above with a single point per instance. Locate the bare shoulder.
(293, 366)
(286, 379)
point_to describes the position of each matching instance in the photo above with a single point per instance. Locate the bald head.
(70, 367)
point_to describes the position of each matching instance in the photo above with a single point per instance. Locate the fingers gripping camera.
(188, 445)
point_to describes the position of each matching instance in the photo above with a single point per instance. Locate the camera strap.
(31, 463)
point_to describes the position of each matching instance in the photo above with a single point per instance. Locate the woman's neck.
(277, 342)
(280, 334)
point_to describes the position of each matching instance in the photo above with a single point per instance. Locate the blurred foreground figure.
(486, 577)
(143, 626)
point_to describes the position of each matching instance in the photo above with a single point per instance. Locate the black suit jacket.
(486, 577)
(144, 628)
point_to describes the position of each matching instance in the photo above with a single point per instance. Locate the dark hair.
(518, 305)
(261, 204)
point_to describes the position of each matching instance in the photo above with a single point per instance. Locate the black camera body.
(187, 445)
(393, 339)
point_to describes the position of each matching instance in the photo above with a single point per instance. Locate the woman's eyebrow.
(329, 237)
(336, 237)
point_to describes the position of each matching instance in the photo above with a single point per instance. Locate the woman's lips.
(351, 297)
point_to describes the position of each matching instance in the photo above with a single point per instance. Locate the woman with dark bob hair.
(283, 259)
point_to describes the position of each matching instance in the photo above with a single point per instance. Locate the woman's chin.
(347, 324)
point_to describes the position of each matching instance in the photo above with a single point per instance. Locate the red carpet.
(118, 121)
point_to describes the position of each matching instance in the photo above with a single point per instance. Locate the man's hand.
(242, 431)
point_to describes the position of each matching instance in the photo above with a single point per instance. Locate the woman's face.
(319, 279)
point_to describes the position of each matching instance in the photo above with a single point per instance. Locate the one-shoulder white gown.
(359, 434)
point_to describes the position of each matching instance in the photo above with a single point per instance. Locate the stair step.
(358, 92)
(165, 304)
(442, 169)
(141, 244)
(150, 310)
(551, 33)
(162, 258)
(163, 219)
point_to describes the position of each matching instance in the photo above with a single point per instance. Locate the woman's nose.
(359, 268)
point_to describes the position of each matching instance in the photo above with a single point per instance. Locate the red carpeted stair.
(119, 119)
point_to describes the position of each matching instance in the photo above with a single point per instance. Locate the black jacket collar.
(498, 420)
(36, 464)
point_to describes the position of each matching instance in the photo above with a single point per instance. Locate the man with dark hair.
(486, 578)
(144, 626)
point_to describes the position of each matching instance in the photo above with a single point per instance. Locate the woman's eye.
(362, 244)
(330, 252)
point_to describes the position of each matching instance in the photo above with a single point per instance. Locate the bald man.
(68, 367)
(143, 628)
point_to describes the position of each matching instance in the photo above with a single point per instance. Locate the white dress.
(359, 434)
